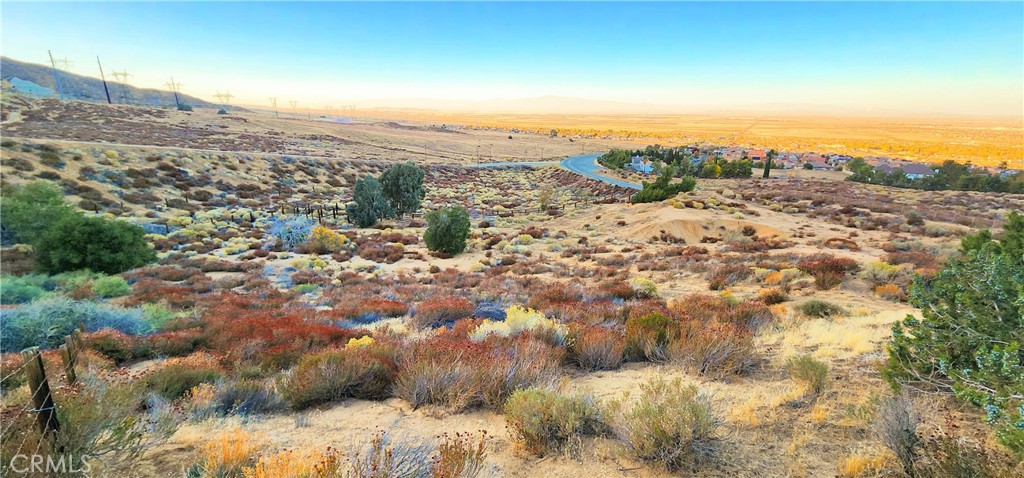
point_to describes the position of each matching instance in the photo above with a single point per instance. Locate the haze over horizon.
(942, 59)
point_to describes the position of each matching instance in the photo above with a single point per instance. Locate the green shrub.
(402, 185)
(661, 189)
(808, 373)
(546, 421)
(369, 205)
(174, 380)
(968, 342)
(447, 230)
(820, 309)
(78, 242)
(156, 315)
(366, 372)
(648, 337)
(28, 211)
(669, 423)
(241, 397)
(21, 289)
(111, 286)
(112, 422)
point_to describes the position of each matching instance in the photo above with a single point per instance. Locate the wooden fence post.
(67, 356)
(79, 339)
(41, 398)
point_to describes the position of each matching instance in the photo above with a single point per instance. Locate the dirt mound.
(691, 226)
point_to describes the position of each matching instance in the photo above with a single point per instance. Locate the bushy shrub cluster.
(459, 374)
(291, 231)
(668, 423)
(436, 311)
(661, 189)
(447, 230)
(366, 372)
(45, 322)
(828, 270)
(79, 242)
(546, 421)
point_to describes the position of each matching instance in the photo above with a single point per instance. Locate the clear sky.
(947, 58)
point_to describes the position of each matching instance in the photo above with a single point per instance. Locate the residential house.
(917, 170)
(641, 165)
(821, 166)
(756, 155)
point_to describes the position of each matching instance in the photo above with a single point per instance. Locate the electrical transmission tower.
(56, 76)
(122, 77)
(175, 87)
(293, 103)
(273, 103)
(225, 97)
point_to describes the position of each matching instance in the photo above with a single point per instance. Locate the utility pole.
(122, 77)
(273, 103)
(174, 89)
(56, 76)
(104, 78)
(293, 103)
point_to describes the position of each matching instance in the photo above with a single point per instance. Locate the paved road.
(587, 166)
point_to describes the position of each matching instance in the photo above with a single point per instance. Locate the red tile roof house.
(756, 155)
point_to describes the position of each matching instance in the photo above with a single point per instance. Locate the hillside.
(89, 88)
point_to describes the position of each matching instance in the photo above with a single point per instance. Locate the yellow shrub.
(293, 464)
(773, 278)
(644, 286)
(323, 238)
(889, 291)
(858, 466)
(228, 451)
(360, 342)
(518, 319)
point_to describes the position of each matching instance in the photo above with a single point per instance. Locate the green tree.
(661, 189)
(447, 230)
(368, 203)
(615, 159)
(78, 242)
(768, 163)
(27, 211)
(968, 341)
(402, 185)
(808, 166)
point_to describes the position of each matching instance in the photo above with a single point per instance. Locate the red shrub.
(828, 270)
(366, 309)
(174, 344)
(150, 290)
(596, 347)
(436, 311)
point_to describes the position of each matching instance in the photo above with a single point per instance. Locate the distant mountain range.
(38, 80)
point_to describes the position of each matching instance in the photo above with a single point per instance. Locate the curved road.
(587, 166)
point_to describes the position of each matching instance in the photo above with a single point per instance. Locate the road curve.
(586, 165)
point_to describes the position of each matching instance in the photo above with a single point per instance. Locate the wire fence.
(18, 436)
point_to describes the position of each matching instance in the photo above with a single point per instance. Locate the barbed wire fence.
(41, 406)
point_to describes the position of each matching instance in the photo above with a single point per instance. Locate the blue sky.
(957, 58)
